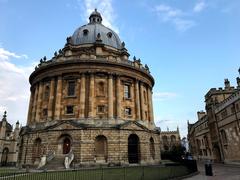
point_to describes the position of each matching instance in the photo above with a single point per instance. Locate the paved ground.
(220, 172)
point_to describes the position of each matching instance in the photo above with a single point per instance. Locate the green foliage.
(175, 153)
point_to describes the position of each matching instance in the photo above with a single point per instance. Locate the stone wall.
(83, 146)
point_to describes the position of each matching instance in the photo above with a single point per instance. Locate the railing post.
(102, 173)
(143, 173)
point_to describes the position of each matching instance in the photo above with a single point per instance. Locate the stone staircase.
(57, 163)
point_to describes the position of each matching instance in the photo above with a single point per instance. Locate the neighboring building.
(169, 139)
(199, 138)
(220, 125)
(91, 100)
(8, 142)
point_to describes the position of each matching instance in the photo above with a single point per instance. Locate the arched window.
(133, 149)
(224, 136)
(71, 88)
(127, 94)
(101, 89)
(152, 148)
(101, 148)
(173, 139)
(145, 97)
(165, 139)
(101, 145)
(205, 141)
(66, 145)
(198, 144)
(46, 92)
(4, 159)
(37, 150)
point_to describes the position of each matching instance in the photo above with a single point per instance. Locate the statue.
(68, 39)
(55, 54)
(43, 161)
(146, 67)
(60, 51)
(68, 159)
(123, 44)
(44, 58)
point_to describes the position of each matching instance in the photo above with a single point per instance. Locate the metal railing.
(153, 172)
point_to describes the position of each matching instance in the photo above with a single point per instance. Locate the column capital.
(59, 77)
(110, 75)
(82, 74)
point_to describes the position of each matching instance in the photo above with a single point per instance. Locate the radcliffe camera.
(108, 90)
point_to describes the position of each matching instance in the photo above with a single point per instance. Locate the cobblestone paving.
(220, 172)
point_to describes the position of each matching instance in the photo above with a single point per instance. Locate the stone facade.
(169, 139)
(89, 98)
(200, 144)
(220, 125)
(8, 142)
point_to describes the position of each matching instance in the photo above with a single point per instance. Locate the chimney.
(200, 114)
(227, 83)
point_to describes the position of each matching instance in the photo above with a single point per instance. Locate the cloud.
(104, 7)
(161, 96)
(14, 91)
(174, 16)
(5, 55)
(199, 6)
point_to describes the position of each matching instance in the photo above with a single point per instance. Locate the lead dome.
(94, 32)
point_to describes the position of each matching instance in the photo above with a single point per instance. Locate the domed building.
(90, 100)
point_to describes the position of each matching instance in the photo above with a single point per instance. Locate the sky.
(190, 46)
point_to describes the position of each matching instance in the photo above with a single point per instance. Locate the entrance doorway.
(217, 153)
(133, 149)
(66, 145)
(4, 156)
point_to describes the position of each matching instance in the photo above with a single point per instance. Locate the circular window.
(85, 32)
(109, 35)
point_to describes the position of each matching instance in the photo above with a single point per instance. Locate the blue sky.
(189, 45)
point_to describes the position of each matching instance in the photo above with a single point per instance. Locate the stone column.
(91, 97)
(110, 96)
(30, 108)
(82, 96)
(35, 103)
(50, 100)
(142, 101)
(118, 96)
(57, 112)
(137, 101)
(150, 105)
(39, 102)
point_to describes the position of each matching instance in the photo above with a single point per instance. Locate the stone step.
(56, 163)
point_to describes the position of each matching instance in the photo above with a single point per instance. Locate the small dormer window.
(109, 35)
(85, 32)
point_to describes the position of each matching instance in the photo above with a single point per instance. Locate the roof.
(96, 32)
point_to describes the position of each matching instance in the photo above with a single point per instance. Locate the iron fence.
(156, 172)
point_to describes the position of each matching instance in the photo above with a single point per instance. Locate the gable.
(62, 126)
(133, 126)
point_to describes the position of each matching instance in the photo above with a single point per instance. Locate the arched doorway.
(133, 149)
(36, 151)
(4, 159)
(101, 148)
(152, 148)
(66, 145)
(217, 153)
